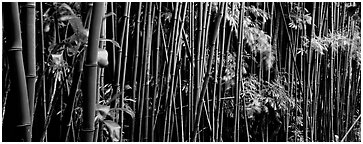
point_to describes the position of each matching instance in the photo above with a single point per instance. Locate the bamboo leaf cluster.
(181, 71)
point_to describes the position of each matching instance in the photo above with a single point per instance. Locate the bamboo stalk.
(20, 123)
(237, 77)
(213, 107)
(128, 6)
(177, 58)
(203, 59)
(181, 107)
(91, 73)
(308, 90)
(135, 68)
(198, 53)
(100, 75)
(147, 69)
(153, 121)
(192, 70)
(177, 50)
(206, 78)
(67, 118)
(71, 100)
(29, 53)
(52, 102)
(331, 95)
(142, 75)
(351, 127)
(169, 78)
(43, 65)
(113, 35)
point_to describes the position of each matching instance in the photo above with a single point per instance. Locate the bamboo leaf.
(108, 15)
(102, 57)
(102, 109)
(129, 111)
(114, 129)
(126, 109)
(102, 112)
(114, 97)
(80, 33)
(112, 41)
(128, 87)
(57, 59)
(307, 19)
(132, 100)
(67, 7)
(67, 17)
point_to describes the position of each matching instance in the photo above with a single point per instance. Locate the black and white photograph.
(181, 71)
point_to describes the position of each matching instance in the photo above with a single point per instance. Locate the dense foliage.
(183, 71)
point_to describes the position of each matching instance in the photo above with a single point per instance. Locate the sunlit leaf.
(46, 27)
(81, 34)
(57, 59)
(128, 87)
(64, 5)
(102, 109)
(113, 129)
(128, 110)
(67, 17)
(307, 19)
(102, 57)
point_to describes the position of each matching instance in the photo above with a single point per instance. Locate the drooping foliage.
(191, 71)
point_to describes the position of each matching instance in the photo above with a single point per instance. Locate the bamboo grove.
(181, 71)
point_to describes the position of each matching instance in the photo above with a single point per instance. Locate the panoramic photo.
(181, 71)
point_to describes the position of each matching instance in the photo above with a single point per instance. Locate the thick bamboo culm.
(18, 124)
(89, 101)
(182, 71)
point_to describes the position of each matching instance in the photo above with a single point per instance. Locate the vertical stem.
(181, 106)
(113, 29)
(331, 95)
(128, 6)
(43, 65)
(192, 70)
(153, 120)
(206, 78)
(309, 94)
(16, 124)
(198, 64)
(135, 68)
(169, 71)
(91, 73)
(221, 65)
(147, 68)
(141, 90)
(29, 53)
(100, 75)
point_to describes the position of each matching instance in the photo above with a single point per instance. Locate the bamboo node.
(29, 5)
(30, 76)
(15, 49)
(87, 130)
(23, 125)
(90, 65)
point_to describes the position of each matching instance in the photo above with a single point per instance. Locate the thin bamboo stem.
(153, 121)
(206, 78)
(135, 68)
